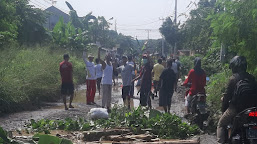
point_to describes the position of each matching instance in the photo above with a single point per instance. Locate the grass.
(31, 75)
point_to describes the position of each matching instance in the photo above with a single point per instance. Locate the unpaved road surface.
(56, 110)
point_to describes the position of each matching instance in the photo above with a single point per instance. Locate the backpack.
(245, 94)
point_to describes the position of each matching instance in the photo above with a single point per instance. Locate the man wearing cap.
(67, 87)
(91, 78)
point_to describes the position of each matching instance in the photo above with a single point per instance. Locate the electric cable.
(38, 5)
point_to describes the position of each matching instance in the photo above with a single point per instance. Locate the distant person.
(157, 70)
(67, 87)
(106, 81)
(99, 74)
(115, 72)
(146, 81)
(179, 67)
(164, 63)
(126, 75)
(167, 80)
(90, 79)
(131, 62)
(175, 69)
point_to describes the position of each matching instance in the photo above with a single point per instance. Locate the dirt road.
(56, 110)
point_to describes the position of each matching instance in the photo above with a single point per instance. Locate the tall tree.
(170, 31)
(196, 31)
(30, 28)
(8, 21)
(234, 24)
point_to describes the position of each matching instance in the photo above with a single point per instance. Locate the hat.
(90, 56)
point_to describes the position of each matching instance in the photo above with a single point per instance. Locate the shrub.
(29, 76)
(215, 88)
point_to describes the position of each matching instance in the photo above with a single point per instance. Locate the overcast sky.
(132, 16)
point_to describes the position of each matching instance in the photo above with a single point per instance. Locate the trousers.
(107, 95)
(225, 120)
(91, 89)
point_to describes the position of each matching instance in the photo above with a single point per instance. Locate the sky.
(132, 16)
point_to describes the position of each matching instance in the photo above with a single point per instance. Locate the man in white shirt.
(106, 81)
(90, 79)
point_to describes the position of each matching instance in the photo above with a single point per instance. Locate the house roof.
(55, 9)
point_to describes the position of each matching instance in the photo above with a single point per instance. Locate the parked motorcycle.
(244, 128)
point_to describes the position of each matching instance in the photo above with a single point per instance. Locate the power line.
(37, 5)
(52, 4)
(40, 3)
(139, 24)
(191, 5)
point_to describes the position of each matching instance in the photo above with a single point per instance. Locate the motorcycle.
(198, 109)
(244, 128)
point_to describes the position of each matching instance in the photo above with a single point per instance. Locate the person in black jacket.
(230, 106)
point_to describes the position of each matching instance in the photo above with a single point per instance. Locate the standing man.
(130, 62)
(167, 80)
(146, 82)
(99, 74)
(115, 64)
(91, 78)
(67, 87)
(106, 81)
(157, 70)
(126, 75)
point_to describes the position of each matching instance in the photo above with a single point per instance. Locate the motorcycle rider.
(238, 65)
(197, 79)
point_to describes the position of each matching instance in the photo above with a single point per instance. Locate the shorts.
(156, 85)
(125, 91)
(115, 73)
(67, 89)
(98, 82)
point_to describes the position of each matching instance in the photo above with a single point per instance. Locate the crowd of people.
(101, 76)
(164, 75)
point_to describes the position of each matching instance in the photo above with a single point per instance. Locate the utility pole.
(115, 26)
(162, 40)
(175, 21)
(148, 31)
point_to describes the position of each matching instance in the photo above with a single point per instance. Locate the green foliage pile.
(41, 138)
(31, 75)
(166, 126)
(68, 124)
(48, 139)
